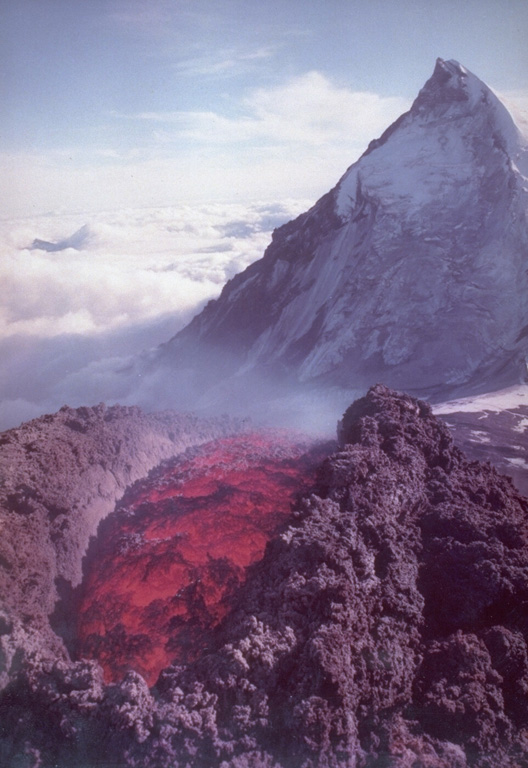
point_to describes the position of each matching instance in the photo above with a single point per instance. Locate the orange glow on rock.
(167, 561)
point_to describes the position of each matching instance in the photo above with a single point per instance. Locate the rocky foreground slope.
(59, 476)
(386, 625)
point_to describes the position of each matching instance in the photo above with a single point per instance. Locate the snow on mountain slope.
(412, 270)
(493, 427)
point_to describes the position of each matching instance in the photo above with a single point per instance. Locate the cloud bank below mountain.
(71, 318)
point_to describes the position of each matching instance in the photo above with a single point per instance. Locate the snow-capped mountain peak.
(436, 144)
(413, 270)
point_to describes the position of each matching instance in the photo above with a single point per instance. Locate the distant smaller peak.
(78, 241)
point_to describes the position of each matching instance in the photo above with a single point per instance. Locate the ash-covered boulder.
(386, 625)
(60, 475)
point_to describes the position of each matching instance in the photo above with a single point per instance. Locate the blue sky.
(115, 103)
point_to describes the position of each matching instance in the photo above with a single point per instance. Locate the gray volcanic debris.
(412, 270)
(59, 476)
(386, 625)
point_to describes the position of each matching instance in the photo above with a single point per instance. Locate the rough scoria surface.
(59, 476)
(386, 625)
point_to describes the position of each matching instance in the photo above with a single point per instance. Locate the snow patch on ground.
(480, 437)
(503, 400)
(517, 462)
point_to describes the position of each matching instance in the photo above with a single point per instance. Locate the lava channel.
(164, 565)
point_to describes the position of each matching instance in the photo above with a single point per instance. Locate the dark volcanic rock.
(386, 625)
(59, 476)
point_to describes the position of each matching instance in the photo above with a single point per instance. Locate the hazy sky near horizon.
(116, 103)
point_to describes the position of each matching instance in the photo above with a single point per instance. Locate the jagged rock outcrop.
(412, 270)
(60, 475)
(387, 624)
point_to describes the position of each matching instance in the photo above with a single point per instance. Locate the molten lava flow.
(168, 559)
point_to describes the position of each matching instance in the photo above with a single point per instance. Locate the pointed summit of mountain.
(450, 82)
(455, 120)
(411, 271)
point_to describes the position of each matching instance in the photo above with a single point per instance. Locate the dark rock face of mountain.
(60, 475)
(412, 270)
(386, 624)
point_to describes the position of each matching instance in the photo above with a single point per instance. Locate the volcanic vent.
(160, 574)
(385, 624)
(60, 475)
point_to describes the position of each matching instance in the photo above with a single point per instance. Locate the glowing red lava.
(167, 560)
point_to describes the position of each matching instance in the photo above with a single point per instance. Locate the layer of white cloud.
(136, 265)
(70, 319)
(293, 139)
(308, 111)
(517, 103)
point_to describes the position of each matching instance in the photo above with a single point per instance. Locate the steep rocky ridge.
(59, 476)
(386, 624)
(412, 270)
